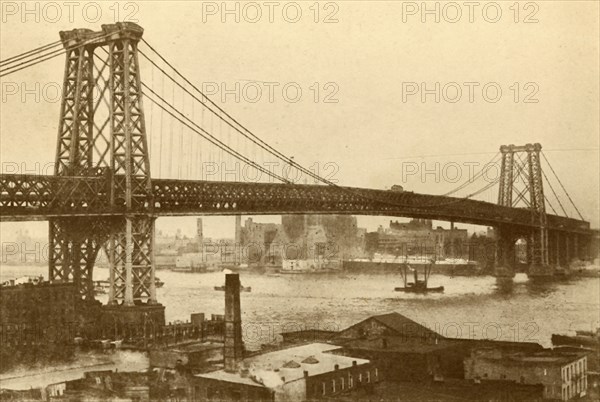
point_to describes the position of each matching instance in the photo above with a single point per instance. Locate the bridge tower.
(102, 134)
(521, 185)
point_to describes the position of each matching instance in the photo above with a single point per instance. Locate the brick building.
(563, 375)
(306, 372)
(404, 349)
(38, 322)
(37, 313)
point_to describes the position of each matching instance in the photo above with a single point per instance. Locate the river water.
(470, 307)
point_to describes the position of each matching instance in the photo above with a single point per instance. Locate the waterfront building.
(405, 349)
(563, 374)
(261, 242)
(418, 238)
(37, 322)
(306, 372)
(301, 237)
(37, 312)
(166, 260)
(106, 385)
(191, 262)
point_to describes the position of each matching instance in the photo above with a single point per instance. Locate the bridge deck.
(35, 197)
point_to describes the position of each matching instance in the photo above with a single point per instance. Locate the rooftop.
(391, 344)
(547, 357)
(196, 347)
(286, 365)
(400, 325)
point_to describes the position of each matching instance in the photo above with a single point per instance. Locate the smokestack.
(237, 245)
(233, 350)
(238, 229)
(199, 233)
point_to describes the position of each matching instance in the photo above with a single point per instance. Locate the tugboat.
(419, 285)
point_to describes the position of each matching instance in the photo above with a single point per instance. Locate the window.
(368, 376)
(333, 385)
(376, 374)
(359, 377)
(323, 388)
(350, 381)
(342, 383)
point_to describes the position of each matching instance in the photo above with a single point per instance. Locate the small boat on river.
(418, 285)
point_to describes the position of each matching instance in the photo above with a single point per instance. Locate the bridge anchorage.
(102, 195)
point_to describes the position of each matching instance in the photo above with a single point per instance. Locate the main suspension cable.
(563, 187)
(21, 56)
(209, 137)
(41, 58)
(475, 177)
(246, 132)
(555, 195)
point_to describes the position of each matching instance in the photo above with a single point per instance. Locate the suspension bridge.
(102, 194)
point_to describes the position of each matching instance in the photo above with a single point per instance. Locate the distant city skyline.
(216, 226)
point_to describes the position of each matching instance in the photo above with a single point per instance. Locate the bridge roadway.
(39, 197)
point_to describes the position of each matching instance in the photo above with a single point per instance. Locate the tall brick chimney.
(199, 234)
(237, 246)
(234, 348)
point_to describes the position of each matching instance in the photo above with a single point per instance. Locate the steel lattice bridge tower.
(530, 171)
(102, 194)
(118, 140)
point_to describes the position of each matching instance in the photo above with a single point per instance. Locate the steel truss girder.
(33, 197)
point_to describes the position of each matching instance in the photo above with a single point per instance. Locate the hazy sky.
(372, 58)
